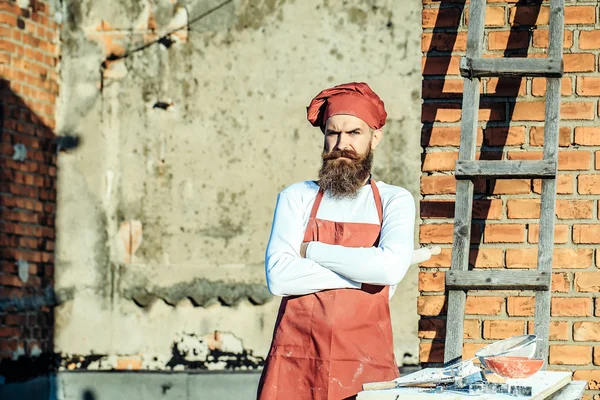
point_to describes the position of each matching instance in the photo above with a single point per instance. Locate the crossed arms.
(332, 266)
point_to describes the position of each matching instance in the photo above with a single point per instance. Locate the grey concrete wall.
(165, 206)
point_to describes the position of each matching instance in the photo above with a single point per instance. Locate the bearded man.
(337, 250)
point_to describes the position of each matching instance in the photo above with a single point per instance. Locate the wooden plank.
(506, 169)
(543, 384)
(573, 391)
(464, 198)
(558, 379)
(548, 196)
(498, 280)
(511, 67)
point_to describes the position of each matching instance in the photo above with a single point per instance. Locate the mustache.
(346, 153)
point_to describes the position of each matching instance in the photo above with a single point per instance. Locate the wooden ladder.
(459, 279)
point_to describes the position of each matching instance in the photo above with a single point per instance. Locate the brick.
(432, 282)
(482, 209)
(440, 65)
(574, 160)
(445, 184)
(440, 112)
(439, 161)
(504, 233)
(444, 41)
(494, 16)
(587, 281)
(536, 136)
(586, 234)
(472, 329)
(441, 88)
(520, 306)
(510, 186)
(580, 15)
(521, 258)
(592, 376)
(540, 39)
(588, 86)
(560, 282)
(14, 319)
(487, 209)
(574, 209)
(441, 136)
(564, 184)
(486, 258)
(597, 162)
(10, 280)
(129, 363)
(587, 135)
(501, 40)
(506, 87)
(586, 331)
(577, 110)
(432, 328)
(502, 329)
(569, 355)
(436, 233)
(481, 305)
(561, 233)
(589, 40)
(597, 308)
(559, 330)
(523, 208)
(529, 15)
(505, 136)
(579, 62)
(571, 307)
(596, 355)
(529, 111)
(9, 332)
(442, 233)
(431, 352)
(436, 209)
(441, 17)
(469, 349)
(572, 258)
(431, 305)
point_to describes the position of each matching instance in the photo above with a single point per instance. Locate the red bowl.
(514, 367)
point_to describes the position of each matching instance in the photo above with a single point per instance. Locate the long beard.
(342, 178)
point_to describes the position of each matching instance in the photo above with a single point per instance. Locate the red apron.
(327, 344)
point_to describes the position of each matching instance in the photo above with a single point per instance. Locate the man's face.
(347, 155)
(347, 132)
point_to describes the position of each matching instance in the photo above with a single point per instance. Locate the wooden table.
(554, 385)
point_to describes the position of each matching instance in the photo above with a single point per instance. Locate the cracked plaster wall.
(182, 151)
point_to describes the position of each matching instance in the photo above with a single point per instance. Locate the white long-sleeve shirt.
(333, 266)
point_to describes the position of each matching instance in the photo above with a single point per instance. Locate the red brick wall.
(29, 85)
(508, 238)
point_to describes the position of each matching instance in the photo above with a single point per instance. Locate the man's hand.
(303, 248)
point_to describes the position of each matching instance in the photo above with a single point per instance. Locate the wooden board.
(505, 169)
(511, 67)
(544, 384)
(498, 280)
(573, 391)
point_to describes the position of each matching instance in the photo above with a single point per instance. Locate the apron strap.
(377, 197)
(315, 207)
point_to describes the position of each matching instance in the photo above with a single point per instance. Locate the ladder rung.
(505, 169)
(479, 67)
(498, 280)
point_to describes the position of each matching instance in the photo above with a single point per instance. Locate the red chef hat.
(354, 98)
